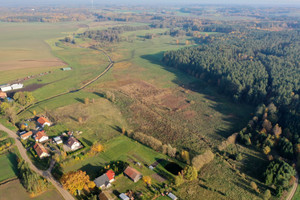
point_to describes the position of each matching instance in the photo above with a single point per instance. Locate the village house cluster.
(67, 140)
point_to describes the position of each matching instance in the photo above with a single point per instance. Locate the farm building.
(5, 88)
(41, 136)
(104, 195)
(105, 180)
(43, 122)
(3, 95)
(133, 174)
(73, 143)
(41, 151)
(123, 196)
(172, 196)
(25, 136)
(17, 86)
(66, 68)
(57, 140)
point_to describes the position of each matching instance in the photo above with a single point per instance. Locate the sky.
(139, 2)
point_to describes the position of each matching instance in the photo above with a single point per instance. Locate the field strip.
(109, 66)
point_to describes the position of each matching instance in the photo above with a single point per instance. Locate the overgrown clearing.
(15, 190)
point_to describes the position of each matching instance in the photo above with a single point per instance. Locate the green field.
(15, 190)
(8, 165)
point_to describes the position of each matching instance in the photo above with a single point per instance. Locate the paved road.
(46, 174)
(294, 189)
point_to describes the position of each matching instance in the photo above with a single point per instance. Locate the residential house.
(3, 95)
(104, 180)
(172, 196)
(104, 195)
(41, 136)
(73, 143)
(43, 122)
(124, 196)
(25, 136)
(40, 150)
(133, 174)
(57, 140)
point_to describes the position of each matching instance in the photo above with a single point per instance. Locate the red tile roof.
(43, 120)
(40, 149)
(2, 94)
(39, 135)
(29, 133)
(132, 173)
(110, 174)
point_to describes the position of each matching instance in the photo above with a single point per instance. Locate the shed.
(123, 196)
(133, 174)
(172, 196)
(66, 68)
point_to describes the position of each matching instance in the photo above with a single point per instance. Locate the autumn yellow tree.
(97, 147)
(76, 180)
(147, 180)
(86, 101)
(185, 156)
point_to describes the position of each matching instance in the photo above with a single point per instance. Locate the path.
(46, 174)
(294, 189)
(109, 66)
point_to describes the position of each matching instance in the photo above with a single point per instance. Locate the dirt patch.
(189, 114)
(158, 178)
(20, 64)
(32, 87)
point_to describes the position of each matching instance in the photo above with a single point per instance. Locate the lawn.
(15, 190)
(8, 166)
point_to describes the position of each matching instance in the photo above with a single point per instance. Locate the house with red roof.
(43, 122)
(25, 136)
(105, 180)
(40, 150)
(3, 95)
(41, 136)
(133, 174)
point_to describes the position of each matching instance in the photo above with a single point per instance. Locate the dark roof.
(71, 141)
(102, 180)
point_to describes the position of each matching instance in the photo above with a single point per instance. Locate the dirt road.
(46, 174)
(294, 189)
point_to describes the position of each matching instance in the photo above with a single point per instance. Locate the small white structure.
(17, 86)
(172, 196)
(123, 196)
(57, 140)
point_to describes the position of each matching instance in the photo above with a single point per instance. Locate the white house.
(73, 143)
(41, 151)
(172, 196)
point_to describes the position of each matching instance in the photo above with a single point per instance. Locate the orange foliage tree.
(76, 180)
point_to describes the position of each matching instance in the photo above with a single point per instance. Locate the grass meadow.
(154, 99)
(8, 165)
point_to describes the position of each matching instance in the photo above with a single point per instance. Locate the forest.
(254, 66)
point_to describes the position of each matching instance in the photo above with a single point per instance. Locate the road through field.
(109, 66)
(46, 174)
